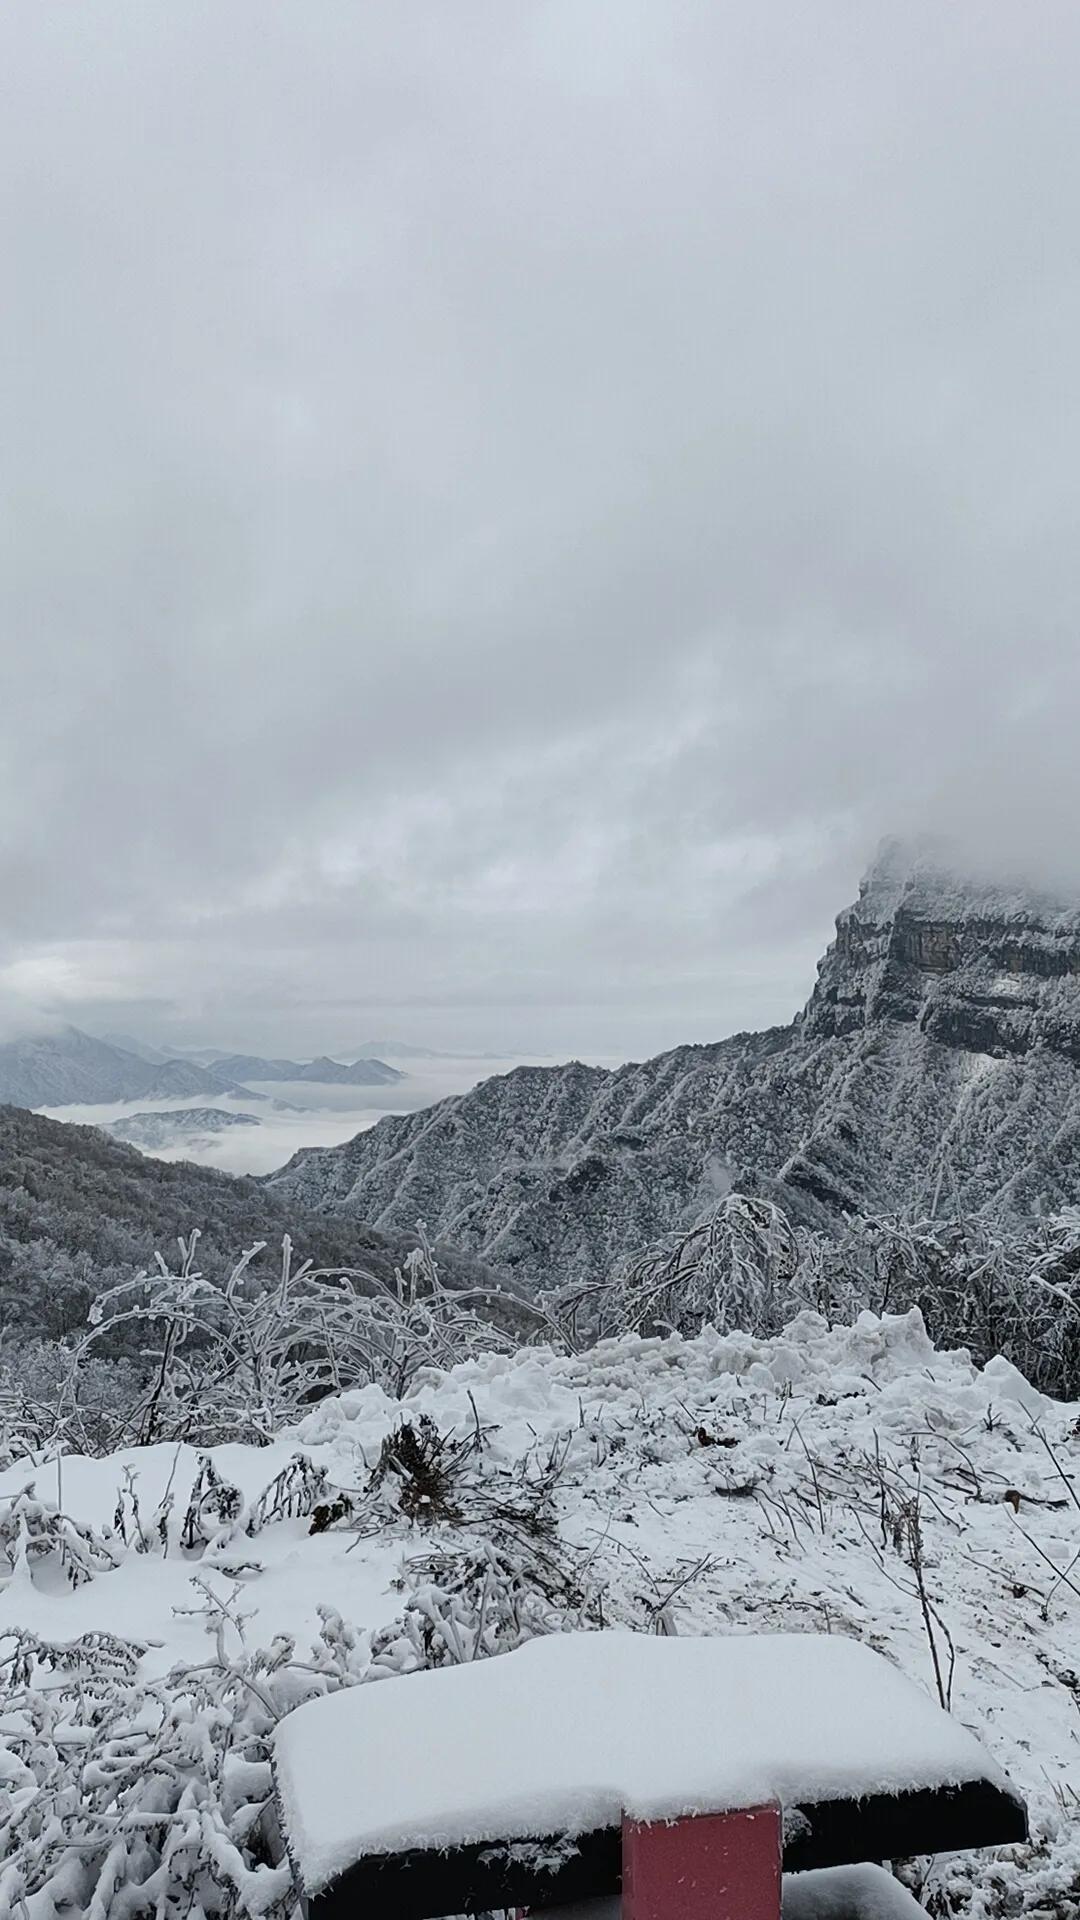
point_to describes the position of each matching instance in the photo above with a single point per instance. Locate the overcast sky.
(504, 503)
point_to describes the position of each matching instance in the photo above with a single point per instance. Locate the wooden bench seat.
(522, 1781)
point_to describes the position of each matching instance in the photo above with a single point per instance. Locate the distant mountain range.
(67, 1067)
(935, 1068)
(397, 1050)
(323, 1071)
(403, 1050)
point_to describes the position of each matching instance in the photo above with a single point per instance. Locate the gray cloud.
(503, 506)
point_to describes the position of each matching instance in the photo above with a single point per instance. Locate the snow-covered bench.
(683, 1770)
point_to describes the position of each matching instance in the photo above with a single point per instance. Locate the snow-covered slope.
(80, 1212)
(847, 1481)
(936, 1065)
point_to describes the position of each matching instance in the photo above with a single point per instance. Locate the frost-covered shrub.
(1014, 1292)
(237, 1359)
(41, 1400)
(469, 1605)
(33, 1533)
(734, 1268)
(121, 1797)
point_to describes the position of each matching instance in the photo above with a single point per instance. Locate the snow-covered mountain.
(396, 1050)
(935, 1067)
(175, 1127)
(323, 1071)
(130, 1043)
(66, 1067)
(180, 1080)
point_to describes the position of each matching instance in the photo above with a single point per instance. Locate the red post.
(708, 1866)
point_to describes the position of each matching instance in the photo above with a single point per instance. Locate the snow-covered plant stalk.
(240, 1360)
(734, 1268)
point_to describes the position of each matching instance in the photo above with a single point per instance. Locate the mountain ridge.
(936, 1064)
(322, 1071)
(67, 1067)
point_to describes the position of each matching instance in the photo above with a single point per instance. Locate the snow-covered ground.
(813, 1482)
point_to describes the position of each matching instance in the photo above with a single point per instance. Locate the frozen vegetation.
(164, 1606)
(80, 1213)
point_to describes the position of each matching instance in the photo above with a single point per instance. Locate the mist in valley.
(317, 1115)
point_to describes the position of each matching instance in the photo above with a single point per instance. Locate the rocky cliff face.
(936, 1067)
(986, 969)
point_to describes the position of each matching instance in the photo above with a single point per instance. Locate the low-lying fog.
(329, 1114)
